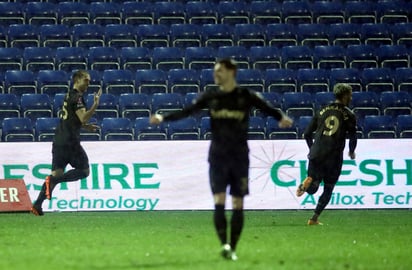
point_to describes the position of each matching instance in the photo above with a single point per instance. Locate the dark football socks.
(219, 219)
(236, 227)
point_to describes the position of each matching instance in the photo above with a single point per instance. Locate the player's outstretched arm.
(352, 155)
(285, 121)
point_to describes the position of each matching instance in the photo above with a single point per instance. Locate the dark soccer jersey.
(68, 131)
(331, 124)
(229, 113)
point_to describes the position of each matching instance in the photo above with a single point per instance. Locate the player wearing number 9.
(330, 126)
(66, 147)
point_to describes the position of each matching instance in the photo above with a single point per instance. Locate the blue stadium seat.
(365, 103)
(134, 58)
(34, 106)
(344, 34)
(256, 128)
(346, 75)
(205, 128)
(249, 35)
(17, 130)
(72, 13)
(45, 128)
(206, 79)
(88, 35)
(360, 12)
(395, 103)
(198, 12)
(104, 13)
(166, 58)
(40, 13)
(108, 106)
(23, 35)
(328, 12)
(404, 126)
(303, 122)
(274, 99)
(136, 13)
(274, 132)
(376, 34)
(322, 99)
(52, 81)
(297, 104)
(11, 13)
(403, 78)
(361, 56)
(296, 57)
(312, 35)
(265, 12)
(251, 79)
(20, 82)
(217, 35)
(101, 58)
(54, 36)
(393, 11)
(239, 53)
(71, 58)
(95, 81)
(264, 57)
(3, 37)
(143, 130)
(402, 34)
(120, 35)
(379, 126)
(280, 80)
(184, 129)
(313, 80)
(185, 35)
(393, 56)
(10, 59)
(87, 135)
(233, 12)
(117, 82)
(169, 13)
(329, 57)
(9, 106)
(200, 57)
(58, 104)
(134, 105)
(280, 35)
(377, 79)
(183, 81)
(38, 58)
(117, 129)
(166, 102)
(152, 36)
(296, 12)
(151, 81)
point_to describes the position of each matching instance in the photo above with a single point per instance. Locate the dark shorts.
(71, 154)
(327, 169)
(232, 173)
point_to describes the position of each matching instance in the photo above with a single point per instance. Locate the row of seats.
(229, 12)
(166, 58)
(209, 35)
(188, 80)
(21, 129)
(130, 106)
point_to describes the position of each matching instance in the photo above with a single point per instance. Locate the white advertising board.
(173, 175)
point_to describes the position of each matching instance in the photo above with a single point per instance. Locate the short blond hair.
(342, 89)
(79, 74)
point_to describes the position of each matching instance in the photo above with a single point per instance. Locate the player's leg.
(80, 163)
(312, 181)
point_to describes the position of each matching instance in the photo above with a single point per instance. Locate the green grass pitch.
(356, 239)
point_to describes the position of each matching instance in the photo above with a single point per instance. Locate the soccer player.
(229, 108)
(66, 147)
(331, 125)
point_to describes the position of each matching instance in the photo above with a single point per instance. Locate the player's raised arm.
(284, 120)
(84, 116)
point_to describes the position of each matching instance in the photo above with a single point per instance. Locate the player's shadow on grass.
(162, 265)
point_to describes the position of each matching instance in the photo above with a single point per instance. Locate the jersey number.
(331, 125)
(63, 113)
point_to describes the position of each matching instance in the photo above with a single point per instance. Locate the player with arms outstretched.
(331, 125)
(229, 108)
(66, 147)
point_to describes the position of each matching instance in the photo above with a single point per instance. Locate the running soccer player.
(229, 108)
(331, 124)
(66, 147)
